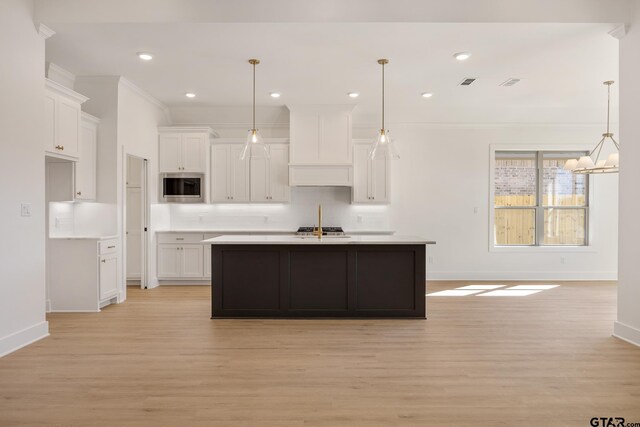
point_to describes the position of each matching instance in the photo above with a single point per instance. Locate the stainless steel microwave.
(182, 187)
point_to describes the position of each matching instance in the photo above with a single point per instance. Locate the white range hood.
(321, 150)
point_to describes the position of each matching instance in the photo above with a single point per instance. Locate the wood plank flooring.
(547, 359)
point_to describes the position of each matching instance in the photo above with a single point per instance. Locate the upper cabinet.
(321, 148)
(371, 183)
(229, 175)
(184, 149)
(270, 177)
(85, 167)
(62, 120)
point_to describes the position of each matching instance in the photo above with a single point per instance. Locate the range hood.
(321, 149)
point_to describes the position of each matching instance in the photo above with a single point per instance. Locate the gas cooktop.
(326, 231)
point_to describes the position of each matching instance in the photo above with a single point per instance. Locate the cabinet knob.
(104, 260)
(79, 193)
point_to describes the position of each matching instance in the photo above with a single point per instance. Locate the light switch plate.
(25, 209)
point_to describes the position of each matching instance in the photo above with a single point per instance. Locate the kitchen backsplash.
(302, 210)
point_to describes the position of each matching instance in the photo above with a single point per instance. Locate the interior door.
(134, 233)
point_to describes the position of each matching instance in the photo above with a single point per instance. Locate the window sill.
(542, 249)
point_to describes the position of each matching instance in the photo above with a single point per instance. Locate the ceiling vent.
(467, 81)
(509, 82)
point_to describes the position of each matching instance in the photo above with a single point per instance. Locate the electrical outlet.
(25, 209)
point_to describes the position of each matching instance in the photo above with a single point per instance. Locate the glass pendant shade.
(254, 146)
(383, 147)
(571, 164)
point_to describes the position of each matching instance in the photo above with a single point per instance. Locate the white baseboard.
(626, 333)
(23, 338)
(182, 282)
(153, 283)
(522, 275)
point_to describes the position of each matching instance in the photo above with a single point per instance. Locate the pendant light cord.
(254, 95)
(383, 96)
(608, 104)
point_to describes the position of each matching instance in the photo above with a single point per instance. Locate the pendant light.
(586, 164)
(254, 147)
(383, 145)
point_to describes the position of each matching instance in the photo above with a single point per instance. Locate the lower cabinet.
(180, 261)
(82, 274)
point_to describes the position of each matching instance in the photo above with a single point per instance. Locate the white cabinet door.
(207, 261)
(219, 173)
(278, 173)
(168, 261)
(108, 276)
(361, 174)
(170, 152)
(68, 126)
(85, 176)
(379, 169)
(259, 180)
(50, 120)
(194, 153)
(239, 175)
(191, 258)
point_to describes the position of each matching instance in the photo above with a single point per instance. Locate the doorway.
(136, 222)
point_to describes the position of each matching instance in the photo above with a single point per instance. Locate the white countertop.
(261, 231)
(84, 237)
(326, 240)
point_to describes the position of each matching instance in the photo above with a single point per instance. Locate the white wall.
(139, 116)
(22, 261)
(628, 324)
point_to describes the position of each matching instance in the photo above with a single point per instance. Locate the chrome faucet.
(318, 231)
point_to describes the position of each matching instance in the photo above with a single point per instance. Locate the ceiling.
(561, 66)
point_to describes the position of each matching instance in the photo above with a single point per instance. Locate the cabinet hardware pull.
(179, 238)
(110, 247)
(104, 260)
(79, 193)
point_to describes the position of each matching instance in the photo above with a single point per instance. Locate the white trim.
(523, 275)
(147, 96)
(88, 117)
(536, 249)
(243, 140)
(23, 338)
(247, 125)
(619, 32)
(60, 75)
(626, 333)
(45, 32)
(471, 125)
(61, 89)
(189, 129)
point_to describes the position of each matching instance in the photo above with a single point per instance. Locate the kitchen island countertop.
(312, 240)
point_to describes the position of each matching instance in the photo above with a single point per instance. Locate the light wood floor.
(158, 360)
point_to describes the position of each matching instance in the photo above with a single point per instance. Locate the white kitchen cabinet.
(371, 183)
(321, 146)
(62, 120)
(83, 274)
(207, 260)
(108, 284)
(270, 177)
(180, 261)
(85, 167)
(229, 175)
(183, 151)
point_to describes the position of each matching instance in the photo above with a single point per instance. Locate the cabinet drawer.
(108, 246)
(180, 237)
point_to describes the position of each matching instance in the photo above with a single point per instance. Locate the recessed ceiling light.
(145, 56)
(190, 95)
(353, 94)
(274, 95)
(462, 56)
(427, 94)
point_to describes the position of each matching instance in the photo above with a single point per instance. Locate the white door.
(170, 152)
(168, 261)
(207, 261)
(192, 261)
(108, 276)
(134, 172)
(193, 153)
(219, 173)
(278, 170)
(68, 126)
(380, 180)
(361, 174)
(259, 179)
(50, 101)
(85, 176)
(239, 177)
(134, 232)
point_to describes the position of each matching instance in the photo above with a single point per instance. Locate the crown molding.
(57, 87)
(45, 32)
(189, 129)
(146, 96)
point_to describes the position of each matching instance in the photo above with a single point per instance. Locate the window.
(537, 202)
